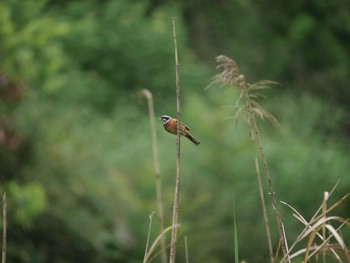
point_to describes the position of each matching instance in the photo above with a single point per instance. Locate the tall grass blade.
(235, 235)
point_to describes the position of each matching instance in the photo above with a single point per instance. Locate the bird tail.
(194, 140)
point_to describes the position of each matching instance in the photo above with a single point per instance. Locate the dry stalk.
(263, 205)
(178, 153)
(148, 236)
(149, 97)
(324, 209)
(4, 229)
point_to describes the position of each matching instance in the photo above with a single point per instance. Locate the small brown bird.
(170, 125)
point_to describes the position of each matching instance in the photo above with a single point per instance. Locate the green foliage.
(108, 43)
(29, 46)
(75, 145)
(302, 44)
(28, 202)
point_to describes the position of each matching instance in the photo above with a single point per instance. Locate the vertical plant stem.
(148, 237)
(253, 125)
(324, 215)
(149, 97)
(186, 250)
(263, 205)
(272, 193)
(177, 184)
(4, 229)
(235, 235)
(156, 242)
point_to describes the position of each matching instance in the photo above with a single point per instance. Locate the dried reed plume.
(247, 103)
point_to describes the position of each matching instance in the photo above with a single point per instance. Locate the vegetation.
(75, 146)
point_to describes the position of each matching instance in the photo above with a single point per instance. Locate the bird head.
(165, 119)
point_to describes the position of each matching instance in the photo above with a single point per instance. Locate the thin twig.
(4, 229)
(177, 184)
(148, 236)
(149, 97)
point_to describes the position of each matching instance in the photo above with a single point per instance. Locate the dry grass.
(149, 255)
(322, 234)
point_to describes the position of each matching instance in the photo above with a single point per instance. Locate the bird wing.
(185, 126)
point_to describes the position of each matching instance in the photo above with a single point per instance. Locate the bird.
(170, 125)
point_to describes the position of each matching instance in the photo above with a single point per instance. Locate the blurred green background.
(75, 145)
